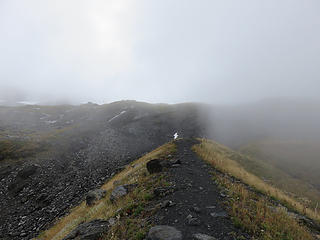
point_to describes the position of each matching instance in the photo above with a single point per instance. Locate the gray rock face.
(162, 232)
(118, 192)
(89, 231)
(154, 166)
(94, 196)
(200, 236)
(121, 191)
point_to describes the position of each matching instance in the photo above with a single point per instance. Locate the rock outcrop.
(94, 196)
(89, 231)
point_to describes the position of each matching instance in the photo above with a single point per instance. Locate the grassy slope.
(255, 212)
(132, 222)
(291, 166)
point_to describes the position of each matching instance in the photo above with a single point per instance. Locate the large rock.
(94, 196)
(162, 232)
(121, 191)
(154, 166)
(200, 236)
(89, 231)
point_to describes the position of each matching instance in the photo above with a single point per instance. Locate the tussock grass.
(247, 212)
(255, 214)
(104, 209)
(221, 158)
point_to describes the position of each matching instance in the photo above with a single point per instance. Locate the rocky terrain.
(81, 147)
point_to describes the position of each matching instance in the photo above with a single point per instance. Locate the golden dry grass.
(221, 158)
(258, 216)
(251, 211)
(103, 209)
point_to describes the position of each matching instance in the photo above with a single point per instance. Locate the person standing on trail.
(175, 136)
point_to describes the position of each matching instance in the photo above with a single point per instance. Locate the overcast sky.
(225, 51)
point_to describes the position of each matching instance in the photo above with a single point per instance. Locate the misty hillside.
(51, 156)
(282, 133)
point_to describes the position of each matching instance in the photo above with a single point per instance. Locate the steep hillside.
(51, 156)
(293, 166)
(81, 147)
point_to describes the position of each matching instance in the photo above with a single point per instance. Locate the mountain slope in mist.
(282, 137)
(81, 147)
(53, 155)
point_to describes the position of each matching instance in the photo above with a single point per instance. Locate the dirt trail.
(197, 201)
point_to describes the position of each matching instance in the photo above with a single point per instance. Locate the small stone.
(211, 207)
(167, 203)
(223, 195)
(196, 209)
(112, 221)
(219, 214)
(193, 221)
(176, 165)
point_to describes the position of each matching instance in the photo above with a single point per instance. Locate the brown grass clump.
(258, 216)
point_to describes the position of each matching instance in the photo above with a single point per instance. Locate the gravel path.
(197, 200)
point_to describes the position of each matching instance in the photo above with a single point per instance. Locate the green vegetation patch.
(136, 210)
(16, 149)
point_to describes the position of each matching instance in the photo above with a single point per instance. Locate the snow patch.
(117, 116)
(27, 103)
(51, 122)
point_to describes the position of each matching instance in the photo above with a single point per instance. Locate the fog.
(222, 52)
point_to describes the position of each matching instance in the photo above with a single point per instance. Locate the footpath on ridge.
(195, 207)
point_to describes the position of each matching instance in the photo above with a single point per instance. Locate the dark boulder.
(154, 166)
(89, 231)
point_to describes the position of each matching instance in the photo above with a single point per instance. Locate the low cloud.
(159, 51)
